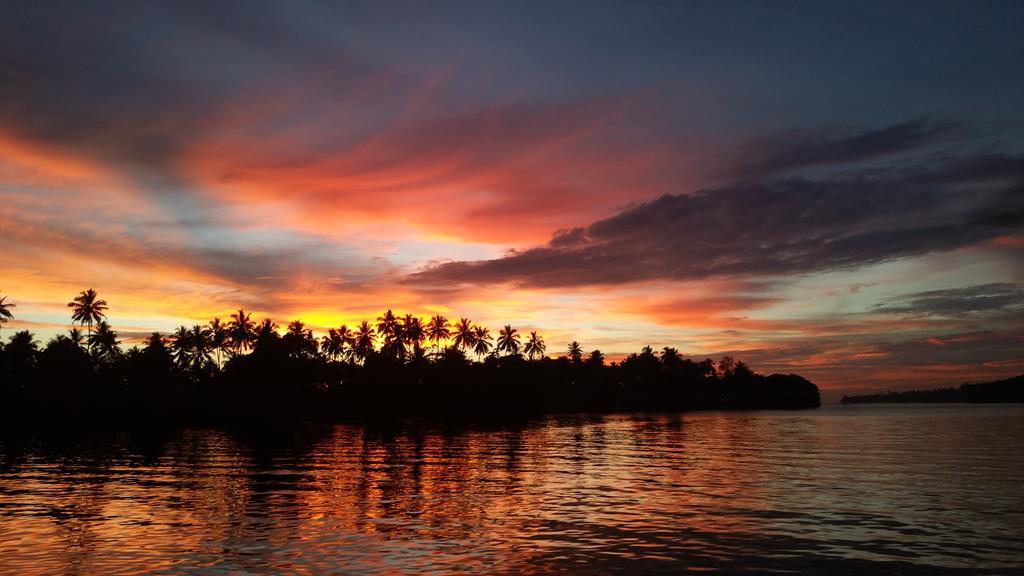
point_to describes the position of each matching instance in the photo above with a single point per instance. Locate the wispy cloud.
(957, 302)
(772, 228)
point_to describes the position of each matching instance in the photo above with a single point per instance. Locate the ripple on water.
(928, 489)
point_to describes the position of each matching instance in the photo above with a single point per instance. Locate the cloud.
(803, 148)
(956, 302)
(896, 360)
(772, 229)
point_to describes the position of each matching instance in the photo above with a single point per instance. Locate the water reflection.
(853, 489)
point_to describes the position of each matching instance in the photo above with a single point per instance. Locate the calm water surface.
(866, 489)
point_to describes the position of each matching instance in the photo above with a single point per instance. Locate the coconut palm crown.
(87, 309)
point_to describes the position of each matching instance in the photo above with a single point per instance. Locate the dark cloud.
(136, 83)
(773, 228)
(802, 149)
(945, 360)
(983, 298)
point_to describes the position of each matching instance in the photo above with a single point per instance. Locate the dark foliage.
(287, 378)
(999, 391)
(267, 376)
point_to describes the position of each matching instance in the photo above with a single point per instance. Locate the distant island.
(999, 391)
(401, 366)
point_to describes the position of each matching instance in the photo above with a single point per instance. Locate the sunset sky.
(832, 189)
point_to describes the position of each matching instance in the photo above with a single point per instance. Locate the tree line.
(398, 365)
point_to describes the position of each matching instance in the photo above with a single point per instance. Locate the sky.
(833, 189)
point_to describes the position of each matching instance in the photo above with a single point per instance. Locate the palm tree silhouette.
(508, 340)
(338, 342)
(413, 333)
(301, 338)
(241, 330)
(75, 335)
(86, 309)
(5, 310)
(670, 358)
(575, 353)
(265, 333)
(535, 346)
(218, 337)
(104, 341)
(363, 340)
(464, 336)
(331, 344)
(181, 345)
(437, 330)
(200, 347)
(388, 327)
(348, 339)
(481, 341)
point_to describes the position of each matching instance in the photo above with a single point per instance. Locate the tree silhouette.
(670, 358)
(535, 346)
(291, 373)
(21, 353)
(338, 343)
(464, 335)
(437, 330)
(575, 353)
(104, 341)
(726, 366)
(241, 331)
(180, 346)
(87, 309)
(266, 334)
(5, 310)
(331, 344)
(481, 341)
(364, 338)
(413, 333)
(388, 327)
(192, 348)
(508, 340)
(218, 337)
(299, 339)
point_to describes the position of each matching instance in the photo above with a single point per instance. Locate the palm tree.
(363, 340)
(437, 330)
(463, 336)
(575, 352)
(481, 341)
(218, 337)
(5, 310)
(104, 341)
(86, 309)
(264, 334)
(413, 333)
(670, 358)
(241, 330)
(348, 340)
(596, 359)
(535, 346)
(181, 346)
(337, 343)
(300, 338)
(21, 353)
(388, 326)
(508, 340)
(75, 335)
(330, 344)
(201, 346)
(192, 348)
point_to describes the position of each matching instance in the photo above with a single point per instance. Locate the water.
(854, 490)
